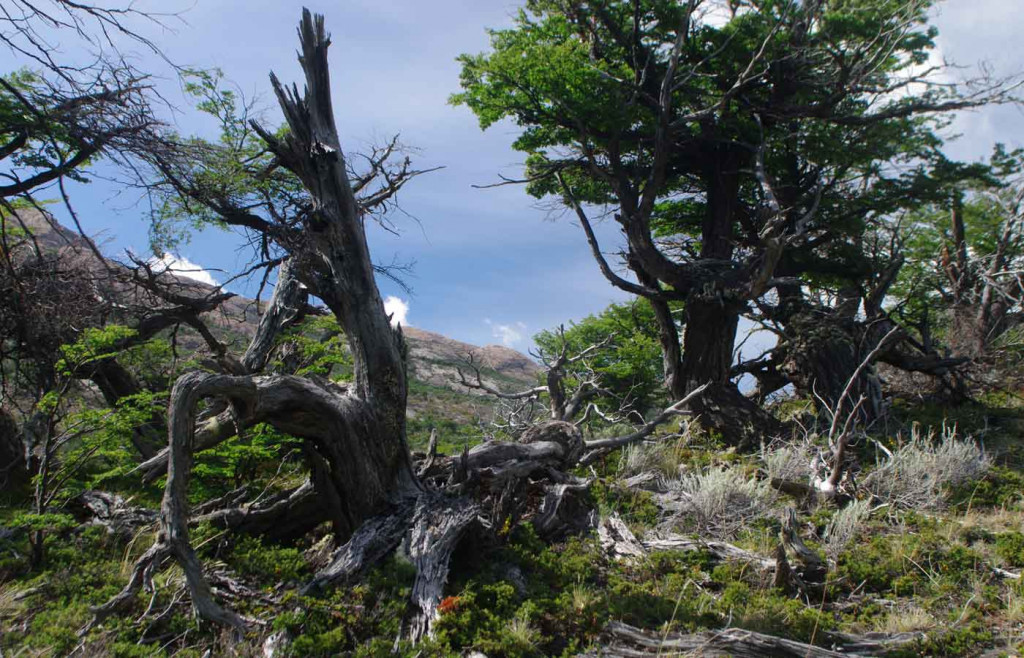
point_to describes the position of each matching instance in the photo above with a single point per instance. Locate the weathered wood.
(112, 512)
(285, 308)
(785, 578)
(285, 516)
(438, 525)
(678, 408)
(620, 543)
(647, 481)
(430, 528)
(367, 455)
(372, 542)
(811, 568)
(622, 640)
(174, 534)
(339, 425)
(141, 577)
(565, 510)
(719, 550)
(875, 644)
(424, 468)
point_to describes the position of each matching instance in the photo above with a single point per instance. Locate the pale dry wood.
(438, 524)
(622, 640)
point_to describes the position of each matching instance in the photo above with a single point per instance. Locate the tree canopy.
(740, 157)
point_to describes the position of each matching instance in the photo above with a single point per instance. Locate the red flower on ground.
(448, 604)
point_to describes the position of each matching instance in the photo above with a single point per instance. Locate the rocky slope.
(433, 359)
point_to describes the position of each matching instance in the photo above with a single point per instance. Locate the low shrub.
(921, 472)
(720, 501)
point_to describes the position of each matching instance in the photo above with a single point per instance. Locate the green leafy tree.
(628, 370)
(739, 159)
(961, 283)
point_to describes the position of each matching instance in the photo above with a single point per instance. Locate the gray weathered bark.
(356, 436)
(624, 641)
(629, 642)
(286, 306)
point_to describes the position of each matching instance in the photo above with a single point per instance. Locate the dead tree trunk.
(356, 436)
(285, 308)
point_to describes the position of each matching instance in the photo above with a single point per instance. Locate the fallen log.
(620, 543)
(625, 641)
(622, 640)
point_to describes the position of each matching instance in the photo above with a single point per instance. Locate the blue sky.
(490, 265)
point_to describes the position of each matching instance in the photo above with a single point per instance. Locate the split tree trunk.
(285, 308)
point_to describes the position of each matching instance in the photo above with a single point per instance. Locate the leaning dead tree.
(362, 478)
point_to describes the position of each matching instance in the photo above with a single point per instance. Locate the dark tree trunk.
(711, 318)
(820, 357)
(13, 470)
(708, 342)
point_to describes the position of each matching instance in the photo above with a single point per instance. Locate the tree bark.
(622, 640)
(711, 317)
(13, 469)
(356, 437)
(708, 342)
(285, 517)
(285, 308)
(822, 353)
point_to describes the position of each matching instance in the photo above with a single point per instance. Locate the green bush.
(252, 557)
(1010, 547)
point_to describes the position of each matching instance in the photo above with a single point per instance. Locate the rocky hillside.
(435, 394)
(434, 359)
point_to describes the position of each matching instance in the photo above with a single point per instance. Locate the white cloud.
(182, 267)
(932, 71)
(398, 309)
(716, 16)
(508, 335)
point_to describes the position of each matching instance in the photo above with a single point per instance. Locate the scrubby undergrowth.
(931, 543)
